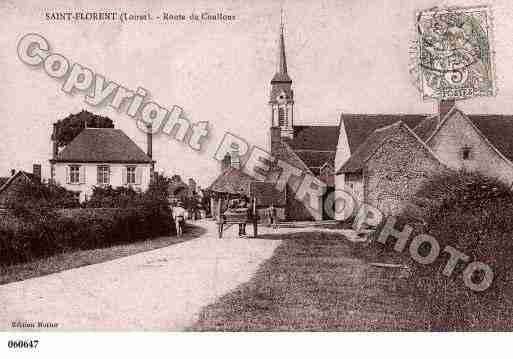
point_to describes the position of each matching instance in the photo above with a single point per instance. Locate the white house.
(102, 157)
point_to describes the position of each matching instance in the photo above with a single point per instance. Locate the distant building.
(383, 159)
(102, 157)
(10, 186)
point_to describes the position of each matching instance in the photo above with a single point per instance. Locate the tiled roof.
(319, 138)
(357, 160)
(314, 145)
(103, 145)
(360, 126)
(315, 159)
(284, 152)
(232, 181)
(426, 128)
(6, 181)
(498, 129)
(3, 180)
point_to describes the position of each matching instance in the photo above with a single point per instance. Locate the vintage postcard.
(240, 166)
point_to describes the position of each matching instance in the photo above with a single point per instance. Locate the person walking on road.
(179, 214)
(273, 217)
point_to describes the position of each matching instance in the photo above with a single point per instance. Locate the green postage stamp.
(455, 53)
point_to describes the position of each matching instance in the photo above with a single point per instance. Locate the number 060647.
(22, 344)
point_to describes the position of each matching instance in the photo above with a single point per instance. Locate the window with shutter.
(82, 171)
(124, 175)
(103, 175)
(138, 175)
(74, 174)
(130, 175)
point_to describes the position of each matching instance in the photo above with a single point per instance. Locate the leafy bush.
(36, 228)
(472, 214)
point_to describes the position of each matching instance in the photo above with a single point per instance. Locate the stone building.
(383, 158)
(473, 143)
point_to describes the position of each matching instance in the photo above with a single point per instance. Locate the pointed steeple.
(281, 74)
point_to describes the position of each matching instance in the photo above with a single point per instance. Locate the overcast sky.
(343, 56)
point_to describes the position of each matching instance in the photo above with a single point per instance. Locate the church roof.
(284, 152)
(318, 138)
(316, 145)
(281, 73)
(107, 145)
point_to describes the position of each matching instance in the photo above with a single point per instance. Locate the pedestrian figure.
(179, 214)
(273, 217)
(243, 208)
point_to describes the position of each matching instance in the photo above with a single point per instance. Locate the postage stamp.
(455, 53)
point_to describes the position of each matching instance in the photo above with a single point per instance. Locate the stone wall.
(396, 170)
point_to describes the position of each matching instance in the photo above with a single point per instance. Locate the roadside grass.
(79, 258)
(318, 281)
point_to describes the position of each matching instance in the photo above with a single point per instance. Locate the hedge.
(472, 214)
(55, 232)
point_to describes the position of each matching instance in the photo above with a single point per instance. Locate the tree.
(69, 127)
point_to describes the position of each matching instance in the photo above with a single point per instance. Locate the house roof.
(232, 181)
(360, 126)
(102, 145)
(284, 152)
(3, 180)
(6, 181)
(498, 130)
(356, 162)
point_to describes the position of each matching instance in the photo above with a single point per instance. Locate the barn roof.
(360, 126)
(102, 145)
(356, 162)
(498, 130)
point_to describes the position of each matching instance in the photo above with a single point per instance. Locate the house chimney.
(149, 142)
(444, 106)
(55, 150)
(13, 171)
(275, 138)
(36, 171)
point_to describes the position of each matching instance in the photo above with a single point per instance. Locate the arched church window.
(281, 117)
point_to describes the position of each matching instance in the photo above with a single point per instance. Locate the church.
(382, 159)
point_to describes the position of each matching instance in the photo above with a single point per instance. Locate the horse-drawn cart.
(235, 185)
(238, 216)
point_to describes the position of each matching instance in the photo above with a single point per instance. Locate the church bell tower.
(281, 98)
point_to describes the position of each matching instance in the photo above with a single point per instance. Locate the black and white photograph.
(322, 167)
